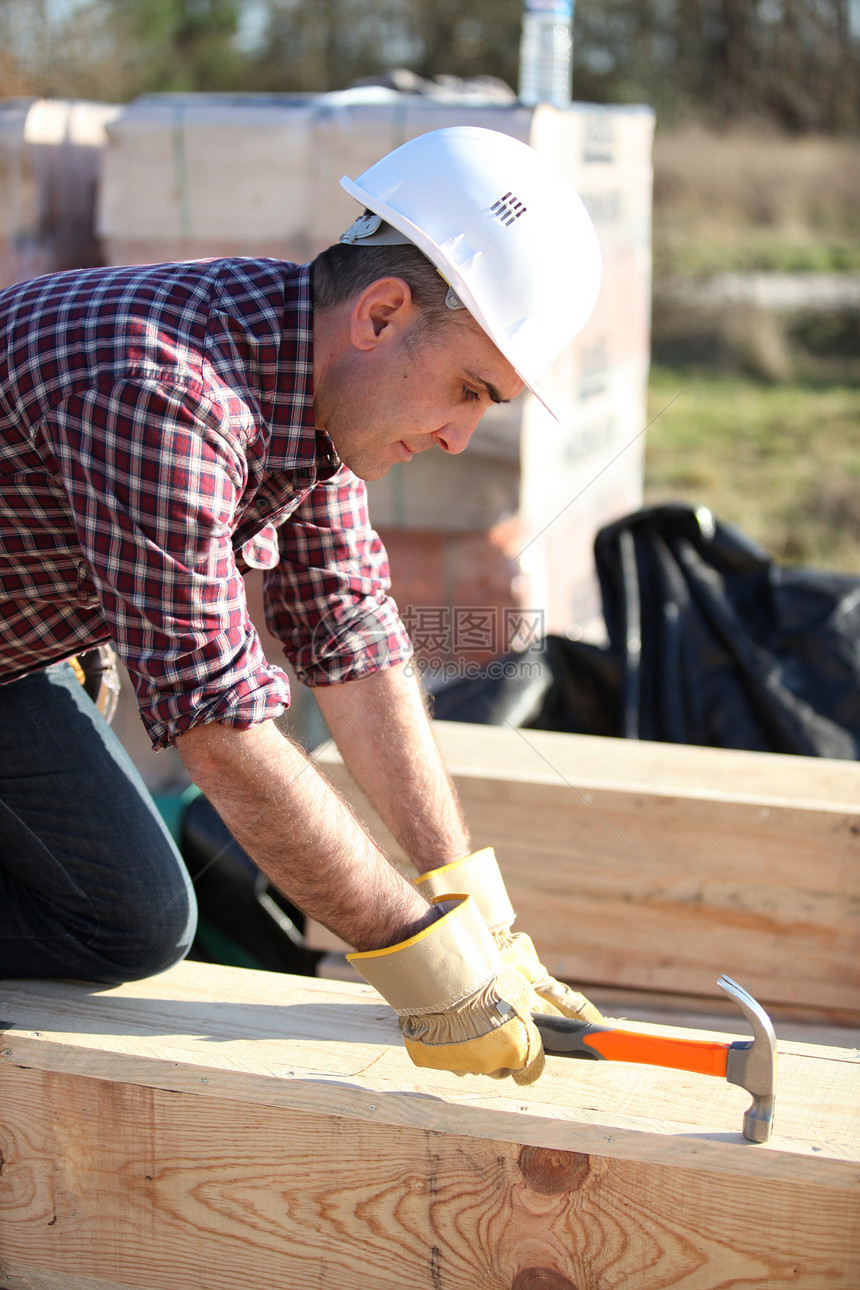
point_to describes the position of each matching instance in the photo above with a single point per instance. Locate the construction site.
(250, 1116)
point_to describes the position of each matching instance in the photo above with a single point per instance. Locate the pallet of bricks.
(50, 168)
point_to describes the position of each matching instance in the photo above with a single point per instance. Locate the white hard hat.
(503, 227)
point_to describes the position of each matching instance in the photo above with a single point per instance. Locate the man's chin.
(371, 472)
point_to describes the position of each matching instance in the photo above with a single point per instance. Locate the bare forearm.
(301, 834)
(381, 728)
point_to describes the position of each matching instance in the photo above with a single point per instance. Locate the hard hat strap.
(371, 230)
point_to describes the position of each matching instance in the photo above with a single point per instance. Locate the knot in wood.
(552, 1172)
(541, 1279)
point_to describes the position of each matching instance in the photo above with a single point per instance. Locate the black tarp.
(710, 642)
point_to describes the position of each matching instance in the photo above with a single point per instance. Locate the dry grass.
(765, 200)
(781, 462)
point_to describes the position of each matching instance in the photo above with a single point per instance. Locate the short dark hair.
(343, 271)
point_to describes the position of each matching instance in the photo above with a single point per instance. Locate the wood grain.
(328, 1047)
(135, 1186)
(660, 867)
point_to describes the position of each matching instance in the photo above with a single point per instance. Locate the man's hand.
(478, 875)
(460, 1009)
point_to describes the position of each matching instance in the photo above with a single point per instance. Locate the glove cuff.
(477, 875)
(439, 966)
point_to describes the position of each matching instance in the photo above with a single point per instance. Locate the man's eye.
(470, 396)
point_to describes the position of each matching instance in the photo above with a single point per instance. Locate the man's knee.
(148, 945)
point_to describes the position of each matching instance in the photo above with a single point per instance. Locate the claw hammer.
(751, 1064)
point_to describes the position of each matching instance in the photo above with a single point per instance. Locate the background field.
(763, 416)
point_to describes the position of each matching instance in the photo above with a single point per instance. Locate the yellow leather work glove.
(459, 1009)
(478, 875)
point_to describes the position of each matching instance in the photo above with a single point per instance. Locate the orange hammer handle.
(702, 1056)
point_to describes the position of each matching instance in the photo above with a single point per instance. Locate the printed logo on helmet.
(507, 209)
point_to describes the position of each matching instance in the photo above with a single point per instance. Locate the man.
(164, 426)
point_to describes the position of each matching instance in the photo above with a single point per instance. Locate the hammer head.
(751, 1064)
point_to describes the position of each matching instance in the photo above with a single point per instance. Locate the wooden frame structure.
(214, 1127)
(659, 867)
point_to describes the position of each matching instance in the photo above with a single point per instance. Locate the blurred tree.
(114, 50)
(179, 44)
(793, 62)
(335, 42)
(468, 38)
(326, 45)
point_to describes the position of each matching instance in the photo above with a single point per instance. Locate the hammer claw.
(751, 1064)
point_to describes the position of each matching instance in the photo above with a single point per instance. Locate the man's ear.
(383, 309)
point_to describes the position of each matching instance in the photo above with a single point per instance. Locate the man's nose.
(455, 436)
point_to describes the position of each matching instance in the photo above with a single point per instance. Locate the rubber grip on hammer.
(701, 1056)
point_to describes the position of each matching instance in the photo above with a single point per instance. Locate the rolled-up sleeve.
(154, 473)
(327, 599)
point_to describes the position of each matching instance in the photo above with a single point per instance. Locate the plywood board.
(658, 866)
(209, 1120)
(214, 1123)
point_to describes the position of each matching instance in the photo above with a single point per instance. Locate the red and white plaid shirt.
(156, 437)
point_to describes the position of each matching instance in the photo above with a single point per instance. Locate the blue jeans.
(92, 886)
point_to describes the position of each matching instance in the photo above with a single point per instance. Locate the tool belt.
(98, 672)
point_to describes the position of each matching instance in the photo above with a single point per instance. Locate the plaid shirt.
(156, 438)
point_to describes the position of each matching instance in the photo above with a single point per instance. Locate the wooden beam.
(657, 866)
(213, 1126)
